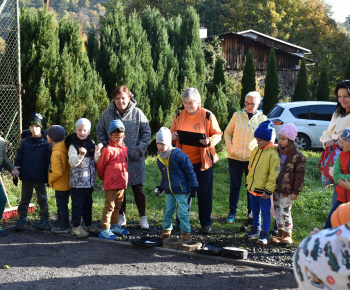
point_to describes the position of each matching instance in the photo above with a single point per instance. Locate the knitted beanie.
(322, 260)
(346, 134)
(289, 130)
(115, 124)
(264, 131)
(56, 133)
(85, 122)
(36, 119)
(164, 136)
(341, 215)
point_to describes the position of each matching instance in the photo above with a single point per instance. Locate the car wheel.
(302, 142)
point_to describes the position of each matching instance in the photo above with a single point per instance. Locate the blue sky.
(341, 9)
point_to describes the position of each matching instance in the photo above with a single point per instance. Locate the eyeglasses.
(249, 104)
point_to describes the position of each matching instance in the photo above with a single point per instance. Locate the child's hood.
(73, 139)
(26, 134)
(60, 146)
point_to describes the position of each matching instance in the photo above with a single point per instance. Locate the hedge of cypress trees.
(301, 90)
(248, 79)
(322, 91)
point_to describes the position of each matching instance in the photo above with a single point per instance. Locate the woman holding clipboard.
(196, 131)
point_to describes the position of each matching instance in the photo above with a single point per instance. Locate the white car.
(310, 117)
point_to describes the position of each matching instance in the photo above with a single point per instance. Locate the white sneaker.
(122, 220)
(143, 223)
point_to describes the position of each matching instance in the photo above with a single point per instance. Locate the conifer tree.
(347, 70)
(219, 76)
(217, 103)
(322, 91)
(271, 84)
(248, 78)
(301, 90)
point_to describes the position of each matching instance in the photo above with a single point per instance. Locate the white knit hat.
(83, 121)
(164, 136)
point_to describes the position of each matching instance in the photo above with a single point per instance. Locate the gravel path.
(42, 260)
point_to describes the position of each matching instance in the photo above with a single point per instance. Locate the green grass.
(309, 210)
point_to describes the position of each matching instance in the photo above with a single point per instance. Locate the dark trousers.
(27, 193)
(236, 169)
(62, 200)
(81, 205)
(328, 224)
(205, 193)
(3, 201)
(140, 200)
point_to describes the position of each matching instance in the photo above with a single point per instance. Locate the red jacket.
(343, 194)
(112, 167)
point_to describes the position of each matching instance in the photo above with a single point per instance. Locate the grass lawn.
(309, 210)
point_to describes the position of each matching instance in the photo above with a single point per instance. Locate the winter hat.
(264, 131)
(346, 134)
(83, 121)
(341, 215)
(56, 133)
(289, 130)
(164, 136)
(115, 124)
(36, 119)
(322, 259)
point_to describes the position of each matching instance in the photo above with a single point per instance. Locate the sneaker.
(107, 234)
(143, 223)
(43, 224)
(186, 236)
(118, 230)
(254, 233)
(165, 234)
(206, 230)
(264, 238)
(60, 229)
(122, 220)
(79, 232)
(2, 232)
(92, 230)
(231, 218)
(20, 224)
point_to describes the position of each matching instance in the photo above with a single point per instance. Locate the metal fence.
(10, 88)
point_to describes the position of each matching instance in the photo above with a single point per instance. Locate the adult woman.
(340, 119)
(137, 137)
(240, 142)
(196, 119)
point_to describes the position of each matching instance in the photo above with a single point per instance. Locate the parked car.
(310, 117)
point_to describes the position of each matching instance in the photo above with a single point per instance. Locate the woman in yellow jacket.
(240, 142)
(59, 176)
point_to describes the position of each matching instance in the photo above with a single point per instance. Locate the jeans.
(3, 201)
(62, 200)
(236, 169)
(81, 205)
(264, 205)
(182, 212)
(205, 193)
(328, 224)
(140, 200)
(27, 193)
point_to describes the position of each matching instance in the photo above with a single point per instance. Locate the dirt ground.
(42, 260)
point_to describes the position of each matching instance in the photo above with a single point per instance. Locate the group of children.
(68, 165)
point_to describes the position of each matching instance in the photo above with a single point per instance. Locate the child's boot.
(20, 223)
(277, 239)
(274, 231)
(186, 236)
(79, 232)
(92, 230)
(166, 234)
(254, 233)
(2, 232)
(107, 234)
(118, 230)
(287, 239)
(264, 238)
(247, 226)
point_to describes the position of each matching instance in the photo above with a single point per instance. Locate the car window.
(275, 112)
(300, 112)
(322, 112)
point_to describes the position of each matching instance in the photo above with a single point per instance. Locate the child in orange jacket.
(113, 170)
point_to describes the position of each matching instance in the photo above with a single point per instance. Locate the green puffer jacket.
(4, 161)
(264, 168)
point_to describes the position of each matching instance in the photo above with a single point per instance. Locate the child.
(113, 170)
(178, 181)
(340, 173)
(263, 170)
(4, 161)
(82, 177)
(289, 182)
(32, 161)
(59, 176)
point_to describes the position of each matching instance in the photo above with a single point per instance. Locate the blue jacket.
(32, 157)
(178, 177)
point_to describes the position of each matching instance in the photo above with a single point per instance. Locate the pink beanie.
(289, 130)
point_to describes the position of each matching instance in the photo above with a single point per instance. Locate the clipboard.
(191, 138)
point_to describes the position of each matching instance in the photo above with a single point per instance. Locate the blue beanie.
(115, 124)
(264, 131)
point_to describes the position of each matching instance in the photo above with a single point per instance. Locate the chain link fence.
(10, 113)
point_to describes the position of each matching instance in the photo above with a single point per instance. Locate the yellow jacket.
(239, 135)
(59, 168)
(264, 168)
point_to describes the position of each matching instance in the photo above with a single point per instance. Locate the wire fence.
(10, 112)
